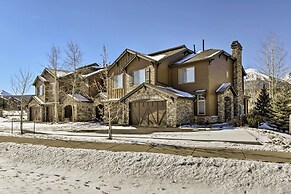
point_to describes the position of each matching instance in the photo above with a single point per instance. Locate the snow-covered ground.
(15, 115)
(28, 168)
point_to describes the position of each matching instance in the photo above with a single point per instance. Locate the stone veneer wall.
(205, 119)
(185, 111)
(221, 106)
(118, 112)
(151, 94)
(84, 111)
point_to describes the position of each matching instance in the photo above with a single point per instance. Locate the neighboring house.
(11, 102)
(77, 106)
(178, 86)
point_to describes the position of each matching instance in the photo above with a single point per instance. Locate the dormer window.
(138, 77)
(39, 90)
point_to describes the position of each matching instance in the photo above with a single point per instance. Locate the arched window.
(201, 110)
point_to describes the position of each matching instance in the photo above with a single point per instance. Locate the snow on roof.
(200, 91)
(42, 78)
(80, 98)
(186, 58)
(213, 54)
(38, 100)
(93, 73)
(62, 73)
(178, 92)
(222, 87)
(200, 55)
(156, 57)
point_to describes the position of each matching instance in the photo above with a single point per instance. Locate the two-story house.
(178, 86)
(53, 88)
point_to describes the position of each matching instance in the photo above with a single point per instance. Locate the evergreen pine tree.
(281, 110)
(263, 105)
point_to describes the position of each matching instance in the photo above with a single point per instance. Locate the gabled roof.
(90, 65)
(202, 55)
(59, 73)
(153, 57)
(169, 51)
(225, 86)
(165, 90)
(143, 56)
(39, 77)
(37, 99)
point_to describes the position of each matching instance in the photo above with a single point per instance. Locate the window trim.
(180, 80)
(201, 100)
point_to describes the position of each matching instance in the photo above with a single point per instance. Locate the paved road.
(165, 149)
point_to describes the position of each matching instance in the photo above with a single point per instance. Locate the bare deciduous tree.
(54, 64)
(113, 108)
(273, 61)
(73, 62)
(20, 84)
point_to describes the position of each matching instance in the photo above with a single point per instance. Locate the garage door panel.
(134, 114)
(150, 113)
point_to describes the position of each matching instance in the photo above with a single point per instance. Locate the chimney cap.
(236, 44)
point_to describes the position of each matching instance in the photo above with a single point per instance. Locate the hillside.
(255, 79)
(4, 93)
(287, 78)
(253, 74)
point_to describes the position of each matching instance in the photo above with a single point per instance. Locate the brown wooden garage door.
(148, 113)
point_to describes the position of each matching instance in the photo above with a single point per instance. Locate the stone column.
(237, 77)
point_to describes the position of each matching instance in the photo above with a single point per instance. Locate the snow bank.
(28, 167)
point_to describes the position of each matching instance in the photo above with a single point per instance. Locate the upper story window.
(139, 77)
(186, 75)
(39, 90)
(117, 81)
(226, 74)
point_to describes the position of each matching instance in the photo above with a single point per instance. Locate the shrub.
(253, 121)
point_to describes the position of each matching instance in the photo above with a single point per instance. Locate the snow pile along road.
(26, 168)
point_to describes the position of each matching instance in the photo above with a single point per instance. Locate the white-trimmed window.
(201, 105)
(186, 75)
(226, 74)
(138, 76)
(39, 90)
(53, 85)
(117, 81)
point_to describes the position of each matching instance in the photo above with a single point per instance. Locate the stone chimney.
(238, 81)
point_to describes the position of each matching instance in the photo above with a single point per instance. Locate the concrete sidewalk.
(238, 135)
(164, 149)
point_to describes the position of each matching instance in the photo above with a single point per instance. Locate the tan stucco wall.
(217, 76)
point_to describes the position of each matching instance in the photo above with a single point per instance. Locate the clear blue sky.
(28, 28)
